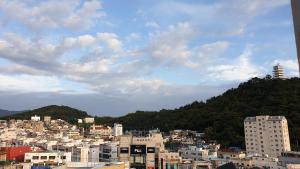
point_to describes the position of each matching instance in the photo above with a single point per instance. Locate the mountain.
(56, 112)
(221, 117)
(7, 112)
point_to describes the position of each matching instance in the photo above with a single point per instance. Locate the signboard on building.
(138, 149)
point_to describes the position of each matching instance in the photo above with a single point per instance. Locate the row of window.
(46, 157)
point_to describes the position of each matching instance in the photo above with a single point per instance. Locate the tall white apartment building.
(267, 135)
(118, 129)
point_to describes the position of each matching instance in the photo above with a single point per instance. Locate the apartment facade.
(266, 135)
(141, 151)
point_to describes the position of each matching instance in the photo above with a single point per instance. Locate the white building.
(266, 135)
(193, 153)
(47, 157)
(35, 118)
(89, 120)
(118, 129)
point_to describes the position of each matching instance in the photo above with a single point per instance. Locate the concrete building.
(35, 118)
(118, 129)
(89, 120)
(47, 157)
(296, 15)
(109, 152)
(278, 72)
(290, 157)
(100, 130)
(141, 151)
(47, 119)
(194, 153)
(266, 135)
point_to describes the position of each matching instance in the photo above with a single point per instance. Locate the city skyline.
(112, 58)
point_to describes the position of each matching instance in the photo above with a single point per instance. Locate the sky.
(112, 57)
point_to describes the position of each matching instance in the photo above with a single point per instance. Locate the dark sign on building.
(150, 149)
(138, 149)
(124, 150)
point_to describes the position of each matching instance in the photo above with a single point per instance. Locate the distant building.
(100, 130)
(79, 121)
(35, 118)
(118, 129)
(267, 135)
(290, 157)
(296, 15)
(89, 120)
(278, 72)
(47, 119)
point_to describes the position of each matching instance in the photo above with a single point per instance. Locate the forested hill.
(221, 117)
(56, 112)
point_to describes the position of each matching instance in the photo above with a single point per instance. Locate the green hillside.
(56, 112)
(221, 117)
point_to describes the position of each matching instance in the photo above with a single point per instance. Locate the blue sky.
(112, 57)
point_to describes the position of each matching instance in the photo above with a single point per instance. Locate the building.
(169, 160)
(2, 156)
(35, 118)
(278, 72)
(290, 157)
(194, 153)
(141, 151)
(118, 129)
(109, 152)
(100, 130)
(266, 135)
(89, 120)
(48, 157)
(16, 153)
(296, 15)
(47, 119)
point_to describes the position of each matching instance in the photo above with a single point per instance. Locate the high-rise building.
(118, 129)
(296, 16)
(267, 135)
(278, 72)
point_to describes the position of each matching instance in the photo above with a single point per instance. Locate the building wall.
(139, 149)
(16, 153)
(266, 135)
(41, 157)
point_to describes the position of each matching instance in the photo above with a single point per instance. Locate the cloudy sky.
(112, 57)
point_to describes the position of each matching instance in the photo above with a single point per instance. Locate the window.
(44, 157)
(51, 157)
(63, 157)
(35, 157)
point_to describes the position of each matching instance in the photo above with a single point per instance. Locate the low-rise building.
(49, 157)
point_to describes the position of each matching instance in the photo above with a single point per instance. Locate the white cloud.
(241, 69)
(44, 15)
(28, 83)
(152, 24)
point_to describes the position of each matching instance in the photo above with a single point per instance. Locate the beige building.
(141, 152)
(278, 72)
(266, 135)
(101, 130)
